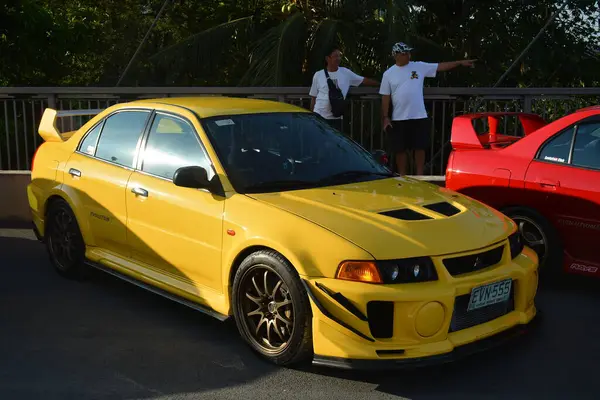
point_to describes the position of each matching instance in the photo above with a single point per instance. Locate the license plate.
(492, 293)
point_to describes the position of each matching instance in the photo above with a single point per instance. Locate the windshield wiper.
(280, 184)
(352, 174)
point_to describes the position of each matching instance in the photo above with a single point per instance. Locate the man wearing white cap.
(409, 124)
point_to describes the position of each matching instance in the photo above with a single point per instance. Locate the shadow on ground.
(104, 338)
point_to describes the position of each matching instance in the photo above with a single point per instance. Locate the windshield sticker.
(224, 122)
(555, 159)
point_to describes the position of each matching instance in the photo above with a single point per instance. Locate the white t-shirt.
(343, 78)
(405, 85)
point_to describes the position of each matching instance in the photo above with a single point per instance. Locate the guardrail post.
(51, 101)
(527, 104)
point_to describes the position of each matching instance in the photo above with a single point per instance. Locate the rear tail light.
(449, 166)
(384, 159)
(35, 154)
(381, 157)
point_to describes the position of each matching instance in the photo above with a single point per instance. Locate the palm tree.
(283, 47)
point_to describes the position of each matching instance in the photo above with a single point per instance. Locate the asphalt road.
(106, 339)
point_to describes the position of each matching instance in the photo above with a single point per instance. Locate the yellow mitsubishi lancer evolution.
(260, 211)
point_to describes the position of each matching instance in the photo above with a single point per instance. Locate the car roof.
(590, 108)
(211, 106)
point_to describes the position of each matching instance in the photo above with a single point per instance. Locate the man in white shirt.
(342, 78)
(409, 125)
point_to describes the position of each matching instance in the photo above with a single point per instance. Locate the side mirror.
(191, 177)
(381, 157)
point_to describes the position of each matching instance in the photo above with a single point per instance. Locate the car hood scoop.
(396, 216)
(408, 214)
(405, 214)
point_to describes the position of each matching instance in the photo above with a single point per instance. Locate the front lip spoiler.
(408, 363)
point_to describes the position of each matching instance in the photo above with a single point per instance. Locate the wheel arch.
(511, 206)
(53, 198)
(554, 235)
(81, 221)
(241, 256)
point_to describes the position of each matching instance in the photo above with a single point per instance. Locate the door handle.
(546, 183)
(140, 192)
(74, 172)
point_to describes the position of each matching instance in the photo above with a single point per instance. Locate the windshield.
(287, 151)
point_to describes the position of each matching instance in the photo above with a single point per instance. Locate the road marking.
(18, 233)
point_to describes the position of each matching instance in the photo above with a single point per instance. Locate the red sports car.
(548, 181)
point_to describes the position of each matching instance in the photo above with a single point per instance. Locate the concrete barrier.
(14, 206)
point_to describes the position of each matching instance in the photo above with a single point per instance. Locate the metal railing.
(22, 108)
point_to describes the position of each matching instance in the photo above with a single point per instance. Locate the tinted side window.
(88, 145)
(558, 148)
(586, 150)
(120, 135)
(173, 144)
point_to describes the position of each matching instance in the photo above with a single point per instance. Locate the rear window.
(558, 148)
(120, 135)
(88, 144)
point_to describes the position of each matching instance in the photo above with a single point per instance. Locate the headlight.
(407, 270)
(516, 244)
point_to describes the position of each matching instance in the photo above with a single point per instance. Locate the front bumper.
(457, 354)
(424, 323)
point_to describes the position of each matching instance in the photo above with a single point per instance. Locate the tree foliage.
(282, 42)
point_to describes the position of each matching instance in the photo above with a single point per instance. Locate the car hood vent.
(443, 208)
(406, 214)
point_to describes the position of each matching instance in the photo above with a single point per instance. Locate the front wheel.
(539, 234)
(271, 308)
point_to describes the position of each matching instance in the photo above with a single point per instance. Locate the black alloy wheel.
(64, 241)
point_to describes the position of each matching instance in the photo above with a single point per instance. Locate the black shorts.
(408, 134)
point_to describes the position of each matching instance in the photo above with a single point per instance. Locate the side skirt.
(159, 291)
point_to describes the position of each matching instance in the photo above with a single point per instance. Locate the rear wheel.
(271, 308)
(64, 241)
(539, 234)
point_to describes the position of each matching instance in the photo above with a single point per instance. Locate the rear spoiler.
(464, 135)
(48, 130)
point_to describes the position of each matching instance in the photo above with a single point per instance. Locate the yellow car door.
(97, 174)
(175, 231)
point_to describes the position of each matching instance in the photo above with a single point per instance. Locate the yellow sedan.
(261, 211)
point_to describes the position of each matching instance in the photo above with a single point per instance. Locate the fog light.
(430, 319)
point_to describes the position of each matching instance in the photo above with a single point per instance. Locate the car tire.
(551, 252)
(64, 241)
(279, 326)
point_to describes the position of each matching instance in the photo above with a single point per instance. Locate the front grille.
(473, 262)
(463, 319)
